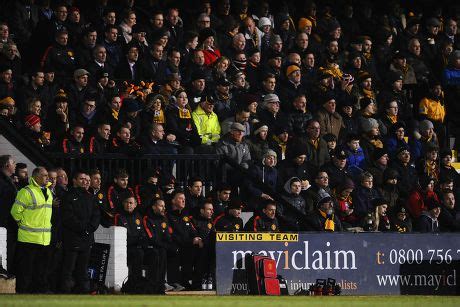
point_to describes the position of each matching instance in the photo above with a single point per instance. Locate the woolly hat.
(425, 125)
(304, 22)
(390, 173)
(394, 76)
(445, 152)
(270, 152)
(7, 100)
(324, 197)
(131, 105)
(291, 68)
(31, 120)
(363, 76)
(238, 127)
(269, 98)
(365, 101)
(205, 33)
(379, 201)
(275, 39)
(258, 127)
(368, 124)
(378, 153)
(346, 184)
(264, 21)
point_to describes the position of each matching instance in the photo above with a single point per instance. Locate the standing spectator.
(364, 195)
(8, 193)
(80, 219)
(34, 233)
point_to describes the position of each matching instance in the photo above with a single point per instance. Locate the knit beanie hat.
(368, 124)
(425, 125)
(304, 22)
(264, 21)
(31, 120)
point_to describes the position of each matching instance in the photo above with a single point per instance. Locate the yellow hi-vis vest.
(33, 214)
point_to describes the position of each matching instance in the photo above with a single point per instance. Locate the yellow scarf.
(115, 114)
(377, 143)
(315, 143)
(393, 118)
(329, 225)
(368, 94)
(159, 117)
(281, 144)
(184, 113)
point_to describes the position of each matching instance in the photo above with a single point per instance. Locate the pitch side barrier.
(362, 263)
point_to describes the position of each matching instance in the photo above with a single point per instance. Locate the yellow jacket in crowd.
(207, 125)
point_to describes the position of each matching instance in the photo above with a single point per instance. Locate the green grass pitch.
(224, 301)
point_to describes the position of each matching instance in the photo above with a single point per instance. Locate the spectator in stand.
(179, 122)
(233, 147)
(129, 20)
(112, 45)
(317, 152)
(193, 195)
(345, 208)
(207, 125)
(364, 195)
(208, 45)
(21, 175)
(382, 221)
(329, 120)
(299, 115)
(33, 131)
(428, 219)
(419, 198)
(155, 143)
(58, 118)
(432, 108)
(323, 217)
(7, 86)
(378, 165)
(396, 139)
(78, 89)
(337, 168)
(448, 219)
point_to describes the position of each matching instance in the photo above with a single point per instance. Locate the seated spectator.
(329, 120)
(299, 115)
(207, 125)
(370, 138)
(154, 141)
(364, 195)
(257, 142)
(426, 137)
(449, 220)
(225, 105)
(432, 108)
(233, 147)
(242, 116)
(180, 123)
(317, 152)
(389, 189)
(428, 165)
(266, 220)
(416, 203)
(323, 217)
(446, 169)
(331, 141)
(337, 168)
(345, 209)
(378, 165)
(428, 219)
(89, 115)
(396, 139)
(355, 155)
(58, 117)
(400, 221)
(382, 221)
(266, 172)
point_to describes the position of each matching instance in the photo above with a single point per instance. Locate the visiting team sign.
(361, 263)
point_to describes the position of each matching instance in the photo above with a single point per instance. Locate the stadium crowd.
(345, 111)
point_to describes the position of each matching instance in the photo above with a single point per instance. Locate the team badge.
(209, 225)
(138, 221)
(100, 196)
(164, 225)
(186, 219)
(237, 226)
(273, 227)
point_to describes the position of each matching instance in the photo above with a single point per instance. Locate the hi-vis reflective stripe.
(34, 229)
(33, 207)
(34, 200)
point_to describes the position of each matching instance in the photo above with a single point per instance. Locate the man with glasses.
(317, 152)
